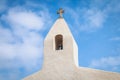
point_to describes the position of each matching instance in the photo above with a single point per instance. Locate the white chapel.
(61, 58)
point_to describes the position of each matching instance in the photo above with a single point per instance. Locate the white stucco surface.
(63, 64)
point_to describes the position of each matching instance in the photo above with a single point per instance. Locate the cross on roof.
(60, 12)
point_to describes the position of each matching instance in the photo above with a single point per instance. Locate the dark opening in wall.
(59, 42)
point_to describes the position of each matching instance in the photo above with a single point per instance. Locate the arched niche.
(58, 42)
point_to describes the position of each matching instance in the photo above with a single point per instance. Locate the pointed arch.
(58, 42)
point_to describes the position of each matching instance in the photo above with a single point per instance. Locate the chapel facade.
(61, 58)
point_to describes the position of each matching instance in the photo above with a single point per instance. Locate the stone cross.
(60, 12)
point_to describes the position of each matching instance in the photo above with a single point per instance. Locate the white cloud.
(6, 35)
(96, 18)
(87, 19)
(112, 63)
(93, 20)
(21, 45)
(24, 18)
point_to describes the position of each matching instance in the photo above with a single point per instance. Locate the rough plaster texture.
(63, 64)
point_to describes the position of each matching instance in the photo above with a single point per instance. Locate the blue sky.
(95, 25)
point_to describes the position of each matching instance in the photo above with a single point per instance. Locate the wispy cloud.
(115, 39)
(93, 18)
(87, 19)
(21, 44)
(113, 6)
(110, 63)
(3, 5)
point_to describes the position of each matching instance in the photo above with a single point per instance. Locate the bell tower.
(61, 57)
(60, 48)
